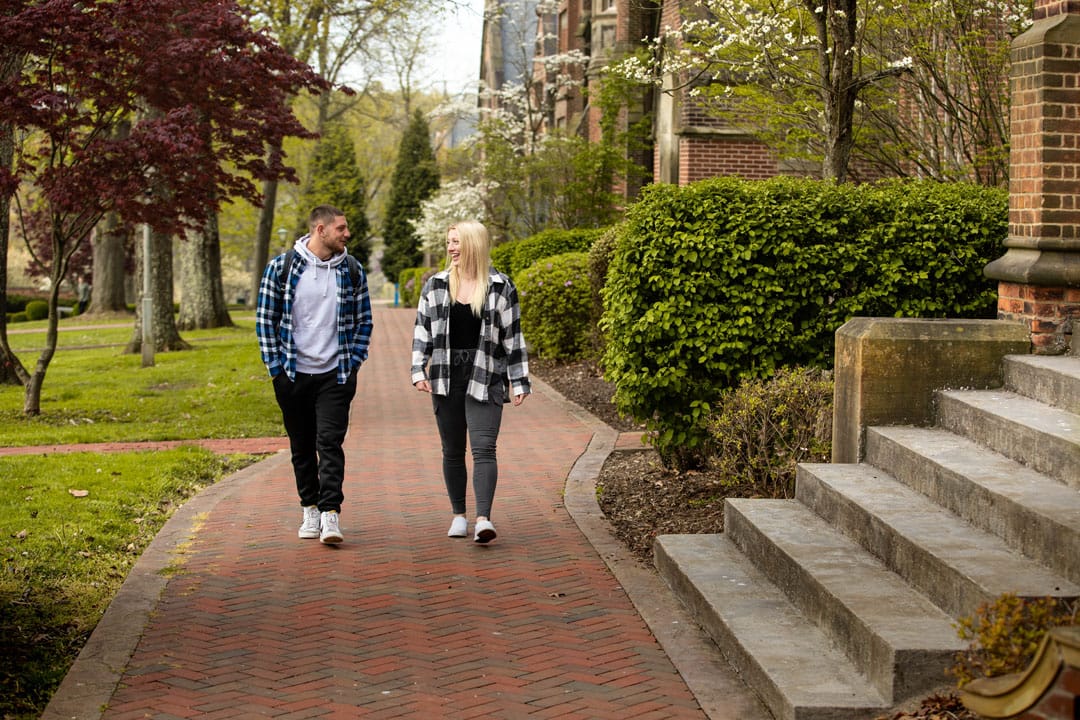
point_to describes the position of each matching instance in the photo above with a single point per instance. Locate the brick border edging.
(711, 679)
(91, 681)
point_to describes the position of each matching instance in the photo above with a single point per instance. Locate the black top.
(464, 327)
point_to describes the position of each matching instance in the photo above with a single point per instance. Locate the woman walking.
(469, 353)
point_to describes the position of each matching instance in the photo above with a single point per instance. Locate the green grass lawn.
(72, 525)
(95, 393)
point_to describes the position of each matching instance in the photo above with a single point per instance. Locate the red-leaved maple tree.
(205, 95)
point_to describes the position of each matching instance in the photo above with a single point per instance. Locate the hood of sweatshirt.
(327, 267)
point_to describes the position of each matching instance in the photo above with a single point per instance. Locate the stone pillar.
(887, 370)
(1039, 275)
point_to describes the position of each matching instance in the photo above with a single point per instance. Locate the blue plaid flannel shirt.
(273, 318)
(501, 353)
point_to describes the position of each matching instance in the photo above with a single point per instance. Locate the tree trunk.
(261, 253)
(61, 255)
(202, 294)
(12, 371)
(163, 326)
(112, 248)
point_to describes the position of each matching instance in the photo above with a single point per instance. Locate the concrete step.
(892, 633)
(795, 669)
(1040, 436)
(1031, 512)
(955, 564)
(1050, 379)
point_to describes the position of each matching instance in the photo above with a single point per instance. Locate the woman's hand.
(423, 386)
(518, 399)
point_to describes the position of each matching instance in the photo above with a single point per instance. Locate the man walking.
(313, 321)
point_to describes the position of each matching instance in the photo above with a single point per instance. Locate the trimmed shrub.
(725, 280)
(555, 306)
(762, 429)
(517, 255)
(411, 282)
(37, 310)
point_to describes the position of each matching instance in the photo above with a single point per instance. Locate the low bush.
(1005, 635)
(762, 429)
(37, 310)
(411, 282)
(517, 255)
(555, 306)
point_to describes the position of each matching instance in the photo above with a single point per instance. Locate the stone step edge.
(788, 661)
(939, 562)
(891, 632)
(974, 482)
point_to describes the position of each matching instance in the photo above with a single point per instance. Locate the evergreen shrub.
(517, 255)
(555, 306)
(411, 282)
(37, 310)
(724, 280)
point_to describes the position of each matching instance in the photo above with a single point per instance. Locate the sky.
(454, 60)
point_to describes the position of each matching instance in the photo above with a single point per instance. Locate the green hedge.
(556, 302)
(726, 279)
(516, 255)
(37, 310)
(411, 282)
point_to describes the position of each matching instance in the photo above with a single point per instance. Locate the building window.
(606, 5)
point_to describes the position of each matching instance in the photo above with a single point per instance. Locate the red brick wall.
(708, 156)
(1044, 175)
(1045, 130)
(1047, 311)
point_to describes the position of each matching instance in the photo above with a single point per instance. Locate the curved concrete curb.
(719, 691)
(92, 679)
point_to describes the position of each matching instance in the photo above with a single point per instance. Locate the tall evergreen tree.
(416, 178)
(336, 180)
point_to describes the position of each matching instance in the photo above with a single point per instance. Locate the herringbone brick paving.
(400, 621)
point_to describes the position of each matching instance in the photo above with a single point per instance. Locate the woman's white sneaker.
(485, 531)
(459, 527)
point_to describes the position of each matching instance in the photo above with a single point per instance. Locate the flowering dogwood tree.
(807, 76)
(456, 200)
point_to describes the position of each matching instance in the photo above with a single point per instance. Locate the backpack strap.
(354, 269)
(289, 255)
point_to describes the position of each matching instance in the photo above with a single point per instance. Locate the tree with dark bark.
(206, 95)
(416, 178)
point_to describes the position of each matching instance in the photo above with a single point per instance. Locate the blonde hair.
(473, 262)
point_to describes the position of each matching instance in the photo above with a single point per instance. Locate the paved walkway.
(228, 614)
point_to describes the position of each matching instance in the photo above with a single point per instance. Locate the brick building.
(688, 143)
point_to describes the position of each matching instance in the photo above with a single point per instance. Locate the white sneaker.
(310, 528)
(459, 527)
(485, 531)
(331, 533)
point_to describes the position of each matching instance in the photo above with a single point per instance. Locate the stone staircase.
(841, 603)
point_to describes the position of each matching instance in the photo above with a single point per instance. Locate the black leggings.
(457, 416)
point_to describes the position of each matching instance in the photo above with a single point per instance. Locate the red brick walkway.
(399, 621)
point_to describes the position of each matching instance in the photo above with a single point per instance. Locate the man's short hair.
(324, 214)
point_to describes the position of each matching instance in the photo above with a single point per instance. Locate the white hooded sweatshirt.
(315, 312)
